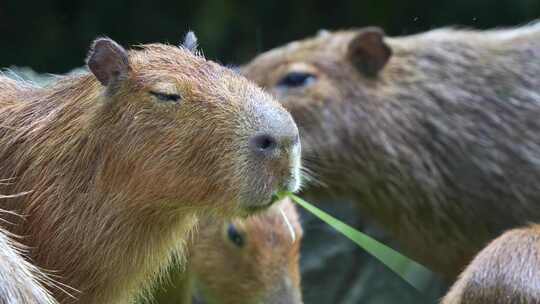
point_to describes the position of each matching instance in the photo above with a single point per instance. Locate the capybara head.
(249, 261)
(326, 82)
(119, 161)
(188, 128)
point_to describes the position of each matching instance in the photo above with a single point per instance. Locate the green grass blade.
(412, 272)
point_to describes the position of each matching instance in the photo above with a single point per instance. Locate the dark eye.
(297, 79)
(234, 236)
(166, 97)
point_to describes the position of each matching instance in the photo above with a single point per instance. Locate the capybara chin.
(119, 161)
(250, 261)
(435, 134)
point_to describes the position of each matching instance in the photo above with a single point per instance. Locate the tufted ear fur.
(108, 61)
(190, 42)
(368, 51)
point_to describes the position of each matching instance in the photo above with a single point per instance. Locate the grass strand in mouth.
(413, 273)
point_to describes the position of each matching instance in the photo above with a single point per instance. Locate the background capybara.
(121, 160)
(505, 272)
(434, 135)
(242, 261)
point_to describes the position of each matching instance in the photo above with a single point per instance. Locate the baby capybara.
(258, 257)
(122, 159)
(241, 261)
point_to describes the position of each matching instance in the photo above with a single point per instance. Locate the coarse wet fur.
(507, 271)
(20, 281)
(119, 162)
(435, 135)
(242, 261)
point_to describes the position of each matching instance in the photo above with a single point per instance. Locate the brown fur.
(507, 271)
(439, 143)
(117, 177)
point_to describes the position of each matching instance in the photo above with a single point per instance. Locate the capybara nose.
(269, 145)
(275, 134)
(274, 147)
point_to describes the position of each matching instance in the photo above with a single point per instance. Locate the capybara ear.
(190, 42)
(108, 61)
(368, 51)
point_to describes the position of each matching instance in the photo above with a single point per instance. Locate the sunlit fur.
(117, 177)
(441, 146)
(264, 270)
(20, 281)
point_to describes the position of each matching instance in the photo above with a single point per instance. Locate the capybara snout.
(275, 148)
(274, 141)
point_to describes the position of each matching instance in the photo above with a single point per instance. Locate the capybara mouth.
(267, 203)
(280, 174)
(254, 209)
(251, 210)
(292, 183)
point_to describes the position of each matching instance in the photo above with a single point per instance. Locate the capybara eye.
(234, 236)
(166, 97)
(297, 79)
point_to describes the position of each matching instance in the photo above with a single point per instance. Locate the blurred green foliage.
(409, 270)
(53, 35)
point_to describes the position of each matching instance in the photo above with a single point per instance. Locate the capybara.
(257, 257)
(121, 160)
(435, 135)
(242, 261)
(507, 271)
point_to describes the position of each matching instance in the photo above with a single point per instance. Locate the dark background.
(53, 35)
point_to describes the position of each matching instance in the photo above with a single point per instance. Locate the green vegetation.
(412, 272)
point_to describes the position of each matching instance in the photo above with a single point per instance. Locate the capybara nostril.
(263, 144)
(278, 145)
